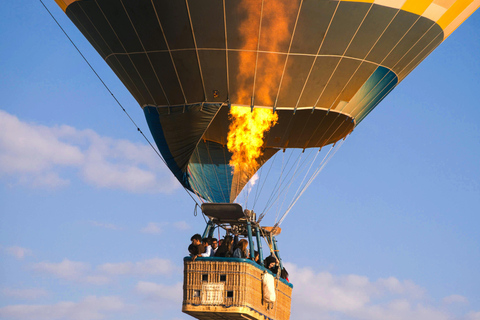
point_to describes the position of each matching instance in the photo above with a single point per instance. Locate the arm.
(208, 252)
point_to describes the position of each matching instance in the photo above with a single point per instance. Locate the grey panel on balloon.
(371, 29)
(395, 31)
(134, 77)
(406, 44)
(334, 91)
(79, 12)
(296, 74)
(122, 74)
(430, 40)
(163, 65)
(347, 19)
(214, 72)
(143, 17)
(186, 64)
(173, 16)
(118, 20)
(149, 79)
(312, 25)
(207, 22)
(321, 72)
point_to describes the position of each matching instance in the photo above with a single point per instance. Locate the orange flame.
(245, 137)
(276, 18)
(258, 78)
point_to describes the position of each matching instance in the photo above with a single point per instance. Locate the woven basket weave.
(229, 288)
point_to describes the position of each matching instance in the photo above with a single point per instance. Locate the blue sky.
(388, 230)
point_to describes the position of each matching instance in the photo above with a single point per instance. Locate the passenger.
(235, 243)
(193, 249)
(242, 249)
(284, 274)
(225, 249)
(214, 245)
(208, 248)
(271, 264)
(197, 241)
(257, 257)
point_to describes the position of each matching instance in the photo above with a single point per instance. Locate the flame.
(265, 31)
(245, 136)
(276, 18)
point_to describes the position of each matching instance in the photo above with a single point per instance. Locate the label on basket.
(212, 293)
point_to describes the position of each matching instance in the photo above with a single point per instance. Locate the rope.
(309, 182)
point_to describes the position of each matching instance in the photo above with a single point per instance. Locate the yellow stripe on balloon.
(416, 6)
(453, 12)
(461, 17)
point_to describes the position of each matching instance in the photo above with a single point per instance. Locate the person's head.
(228, 239)
(270, 262)
(193, 249)
(207, 241)
(214, 243)
(243, 244)
(196, 239)
(227, 242)
(257, 256)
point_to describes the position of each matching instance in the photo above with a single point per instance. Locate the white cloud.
(68, 270)
(455, 298)
(153, 228)
(182, 225)
(154, 266)
(38, 155)
(102, 274)
(473, 316)
(25, 294)
(159, 292)
(157, 228)
(90, 308)
(327, 296)
(18, 252)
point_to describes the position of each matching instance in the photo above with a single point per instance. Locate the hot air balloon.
(310, 70)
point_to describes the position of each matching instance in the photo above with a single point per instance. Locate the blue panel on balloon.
(209, 172)
(380, 83)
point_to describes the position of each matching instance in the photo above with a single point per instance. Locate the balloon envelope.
(321, 65)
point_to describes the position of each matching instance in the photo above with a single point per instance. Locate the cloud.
(24, 294)
(68, 270)
(90, 308)
(182, 225)
(157, 228)
(322, 295)
(473, 316)
(18, 252)
(39, 156)
(153, 228)
(154, 266)
(455, 298)
(82, 272)
(158, 292)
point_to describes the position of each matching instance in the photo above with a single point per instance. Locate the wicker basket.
(230, 288)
